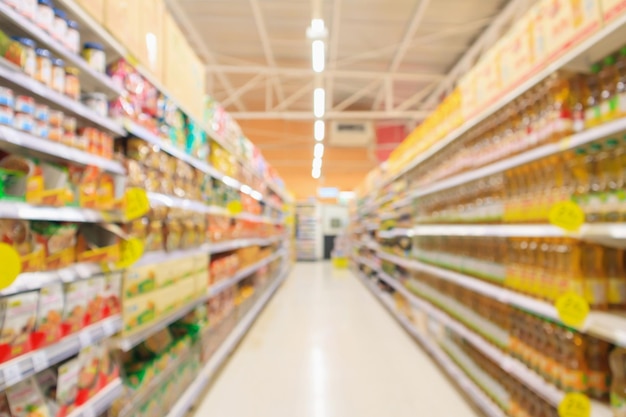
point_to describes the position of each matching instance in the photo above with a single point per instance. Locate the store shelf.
(607, 326)
(25, 211)
(512, 366)
(371, 264)
(14, 77)
(193, 392)
(218, 288)
(30, 281)
(91, 80)
(243, 243)
(100, 402)
(468, 387)
(24, 366)
(13, 140)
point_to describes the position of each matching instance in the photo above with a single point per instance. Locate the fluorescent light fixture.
(246, 189)
(316, 173)
(317, 25)
(319, 56)
(317, 163)
(256, 195)
(318, 152)
(320, 130)
(231, 182)
(319, 102)
(151, 46)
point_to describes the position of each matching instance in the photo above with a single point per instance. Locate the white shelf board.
(100, 402)
(15, 140)
(25, 366)
(193, 392)
(20, 210)
(608, 326)
(30, 281)
(91, 80)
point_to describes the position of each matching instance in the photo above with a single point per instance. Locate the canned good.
(69, 139)
(94, 55)
(44, 66)
(24, 122)
(59, 25)
(28, 61)
(72, 83)
(6, 97)
(96, 102)
(58, 75)
(42, 113)
(45, 15)
(6, 115)
(72, 36)
(42, 130)
(56, 118)
(27, 7)
(69, 124)
(25, 104)
(81, 141)
(55, 134)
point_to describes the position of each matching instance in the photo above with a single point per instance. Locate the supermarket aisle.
(325, 347)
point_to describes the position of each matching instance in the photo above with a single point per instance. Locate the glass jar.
(25, 104)
(45, 15)
(72, 83)
(6, 115)
(58, 75)
(24, 122)
(29, 58)
(94, 55)
(72, 37)
(42, 113)
(96, 102)
(44, 66)
(6, 97)
(28, 8)
(59, 26)
(55, 118)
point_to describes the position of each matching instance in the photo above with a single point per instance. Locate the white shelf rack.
(100, 402)
(91, 79)
(193, 392)
(509, 364)
(30, 281)
(25, 366)
(367, 262)
(453, 370)
(15, 140)
(24, 211)
(607, 326)
(15, 78)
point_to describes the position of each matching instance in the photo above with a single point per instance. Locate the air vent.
(351, 134)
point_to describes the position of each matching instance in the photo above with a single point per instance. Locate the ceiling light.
(319, 102)
(317, 163)
(319, 56)
(317, 25)
(320, 130)
(319, 150)
(316, 173)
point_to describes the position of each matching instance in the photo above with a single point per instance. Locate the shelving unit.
(308, 232)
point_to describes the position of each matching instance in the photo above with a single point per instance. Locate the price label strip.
(108, 328)
(12, 375)
(567, 215)
(573, 309)
(40, 361)
(575, 405)
(137, 203)
(85, 339)
(11, 265)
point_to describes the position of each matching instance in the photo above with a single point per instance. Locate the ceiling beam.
(416, 21)
(284, 105)
(357, 95)
(251, 84)
(333, 115)
(234, 69)
(415, 98)
(201, 47)
(333, 53)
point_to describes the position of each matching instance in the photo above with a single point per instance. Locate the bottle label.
(598, 382)
(622, 103)
(596, 292)
(617, 291)
(618, 404)
(574, 380)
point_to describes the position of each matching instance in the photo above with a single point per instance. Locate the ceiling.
(387, 63)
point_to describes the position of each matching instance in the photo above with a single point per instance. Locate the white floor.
(324, 347)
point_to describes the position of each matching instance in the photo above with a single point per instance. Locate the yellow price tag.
(567, 215)
(137, 203)
(130, 252)
(134, 62)
(575, 405)
(234, 207)
(10, 266)
(572, 308)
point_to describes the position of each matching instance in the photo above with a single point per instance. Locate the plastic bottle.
(598, 370)
(615, 270)
(595, 279)
(620, 90)
(618, 385)
(594, 166)
(613, 179)
(572, 345)
(608, 85)
(592, 106)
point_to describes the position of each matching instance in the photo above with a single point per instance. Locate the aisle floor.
(325, 347)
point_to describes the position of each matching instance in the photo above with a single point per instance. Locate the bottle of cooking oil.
(595, 279)
(620, 91)
(572, 358)
(578, 102)
(593, 112)
(613, 180)
(594, 165)
(598, 370)
(580, 173)
(618, 385)
(608, 85)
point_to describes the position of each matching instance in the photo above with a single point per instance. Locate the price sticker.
(85, 339)
(130, 252)
(11, 265)
(40, 361)
(573, 309)
(132, 60)
(567, 215)
(137, 203)
(88, 411)
(234, 207)
(575, 405)
(12, 375)
(108, 328)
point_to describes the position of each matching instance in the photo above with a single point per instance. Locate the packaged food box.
(47, 381)
(139, 280)
(58, 241)
(89, 362)
(95, 297)
(112, 293)
(50, 312)
(97, 245)
(5, 411)
(26, 399)
(75, 308)
(612, 9)
(18, 234)
(139, 311)
(19, 321)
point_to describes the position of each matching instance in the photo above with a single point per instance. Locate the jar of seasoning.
(6, 97)
(72, 83)
(69, 124)
(96, 102)
(45, 15)
(6, 115)
(28, 8)
(25, 104)
(55, 134)
(72, 36)
(55, 118)
(94, 55)
(44, 66)
(58, 75)
(42, 113)
(29, 58)
(42, 130)
(59, 26)
(24, 122)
